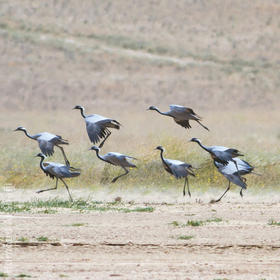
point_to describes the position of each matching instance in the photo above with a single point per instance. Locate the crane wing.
(46, 147)
(183, 123)
(96, 131)
(181, 110)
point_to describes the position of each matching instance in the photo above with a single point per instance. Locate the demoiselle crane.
(116, 159)
(181, 115)
(97, 126)
(47, 141)
(234, 175)
(219, 153)
(178, 169)
(58, 171)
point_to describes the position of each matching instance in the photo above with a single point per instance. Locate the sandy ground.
(146, 245)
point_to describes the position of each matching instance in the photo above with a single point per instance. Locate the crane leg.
(241, 194)
(67, 189)
(224, 192)
(50, 188)
(184, 190)
(116, 178)
(203, 125)
(102, 143)
(65, 158)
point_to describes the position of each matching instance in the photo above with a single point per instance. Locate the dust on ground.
(234, 240)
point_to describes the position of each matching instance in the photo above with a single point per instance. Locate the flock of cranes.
(225, 159)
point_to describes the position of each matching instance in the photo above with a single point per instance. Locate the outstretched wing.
(183, 123)
(97, 127)
(46, 147)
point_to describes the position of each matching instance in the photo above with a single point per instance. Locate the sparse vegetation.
(23, 239)
(80, 205)
(196, 223)
(78, 224)
(175, 223)
(42, 238)
(185, 237)
(2, 274)
(22, 275)
(273, 223)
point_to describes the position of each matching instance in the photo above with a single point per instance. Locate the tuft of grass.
(140, 209)
(47, 211)
(23, 239)
(194, 223)
(214, 220)
(175, 223)
(42, 238)
(78, 224)
(185, 237)
(272, 222)
(22, 275)
(2, 274)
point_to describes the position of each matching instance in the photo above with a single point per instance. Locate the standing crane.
(116, 159)
(219, 153)
(234, 174)
(97, 126)
(181, 115)
(47, 141)
(58, 171)
(178, 169)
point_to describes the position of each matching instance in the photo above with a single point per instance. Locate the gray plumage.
(116, 159)
(181, 115)
(219, 153)
(58, 171)
(97, 126)
(233, 173)
(47, 141)
(178, 169)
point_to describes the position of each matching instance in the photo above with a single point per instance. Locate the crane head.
(195, 140)
(20, 128)
(159, 148)
(78, 107)
(95, 148)
(152, 108)
(41, 155)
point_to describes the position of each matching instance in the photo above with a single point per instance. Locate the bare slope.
(118, 53)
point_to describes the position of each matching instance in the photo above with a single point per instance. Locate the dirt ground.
(235, 241)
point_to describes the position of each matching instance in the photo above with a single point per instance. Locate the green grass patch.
(78, 224)
(185, 237)
(273, 223)
(47, 211)
(2, 274)
(214, 220)
(42, 238)
(175, 223)
(22, 275)
(80, 205)
(194, 223)
(23, 239)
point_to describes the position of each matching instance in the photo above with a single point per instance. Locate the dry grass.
(138, 137)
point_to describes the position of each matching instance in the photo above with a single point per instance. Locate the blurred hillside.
(203, 54)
